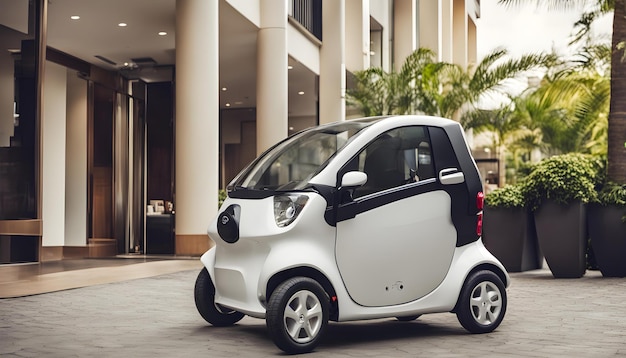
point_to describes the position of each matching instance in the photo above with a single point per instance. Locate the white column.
(405, 32)
(459, 38)
(76, 162)
(53, 155)
(429, 26)
(197, 122)
(472, 51)
(357, 40)
(332, 96)
(272, 105)
(447, 33)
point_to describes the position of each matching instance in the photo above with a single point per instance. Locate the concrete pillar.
(53, 156)
(429, 26)
(357, 32)
(447, 33)
(459, 33)
(472, 44)
(405, 32)
(332, 96)
(197, 122)
(76, 162)
(272, 105)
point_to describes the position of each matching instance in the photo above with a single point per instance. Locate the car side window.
(395, 158)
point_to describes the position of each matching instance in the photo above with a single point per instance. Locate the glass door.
(137, 164)
(100, 166)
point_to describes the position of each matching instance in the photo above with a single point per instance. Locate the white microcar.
(360, 219)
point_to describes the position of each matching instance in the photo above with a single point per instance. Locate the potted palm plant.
(558, 190)
(606, 218)
(509, 229)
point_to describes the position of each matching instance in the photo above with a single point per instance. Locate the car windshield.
(293, 162)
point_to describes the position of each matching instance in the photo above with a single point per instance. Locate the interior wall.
(76, 162)
(296, 124)
(238, 141)
(53, 155)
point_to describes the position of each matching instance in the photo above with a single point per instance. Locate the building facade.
(121, 120)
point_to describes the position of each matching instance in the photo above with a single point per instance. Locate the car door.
(395, 236)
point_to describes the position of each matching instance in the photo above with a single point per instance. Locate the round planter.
(562, 236)
(608, 238)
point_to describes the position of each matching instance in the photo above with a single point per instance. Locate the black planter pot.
(562, 236)
(509, 234)
(608, 238)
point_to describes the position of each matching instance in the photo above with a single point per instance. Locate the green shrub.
(510, 196)
(221, 196)
(612, 194)
(564, 178)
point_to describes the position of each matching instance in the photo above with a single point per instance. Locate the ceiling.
(139, 50)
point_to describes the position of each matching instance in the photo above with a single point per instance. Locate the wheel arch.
(310, 272)
(484, 267)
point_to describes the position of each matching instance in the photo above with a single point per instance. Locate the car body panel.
(383, 264)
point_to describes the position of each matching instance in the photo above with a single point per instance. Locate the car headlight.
(287, 207)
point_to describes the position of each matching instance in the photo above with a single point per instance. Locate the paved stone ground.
(157, 317)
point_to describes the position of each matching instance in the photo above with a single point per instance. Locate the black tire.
(297, 315)
(482, 302)
(204, 294)
(408, 318)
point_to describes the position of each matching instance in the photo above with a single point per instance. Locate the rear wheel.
(482, 303)
(297, 315)
(204, 294)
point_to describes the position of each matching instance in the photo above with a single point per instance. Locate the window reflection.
(17, 113)
(400, 156)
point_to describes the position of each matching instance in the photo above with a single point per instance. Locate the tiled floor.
(30, 279)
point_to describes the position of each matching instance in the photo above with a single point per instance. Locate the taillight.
(480, 204)
(480, 201)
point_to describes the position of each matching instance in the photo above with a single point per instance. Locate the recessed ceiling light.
(122, 24)
(290, 67)
(227, 104)
(301, 93)
(224, 89)
(74, 17)
(162, 33)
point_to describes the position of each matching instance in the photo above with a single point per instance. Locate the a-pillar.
(332, 96)
(197, 123)
(272, 119)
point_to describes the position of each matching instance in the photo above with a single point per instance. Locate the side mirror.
(353, 179)
(451, 176)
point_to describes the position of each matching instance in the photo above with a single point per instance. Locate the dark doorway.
(160, 145)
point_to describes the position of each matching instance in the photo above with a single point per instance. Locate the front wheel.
(297, 315)
(482, 303)
(204, 294)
